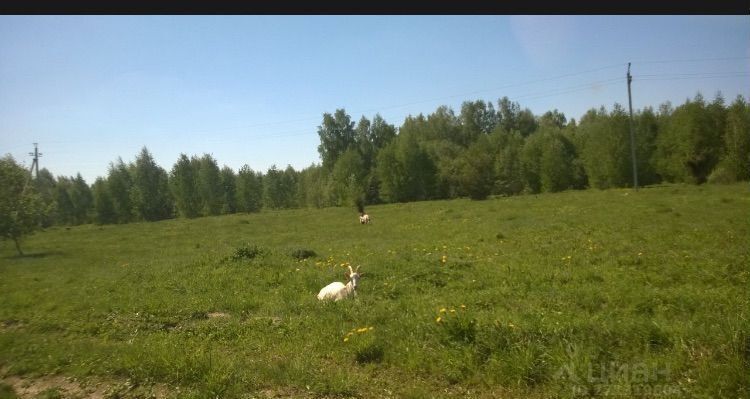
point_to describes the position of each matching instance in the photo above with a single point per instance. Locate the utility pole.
(36, 154)
(632, 135)
(34, 165)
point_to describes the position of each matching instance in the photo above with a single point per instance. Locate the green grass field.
(583, 293)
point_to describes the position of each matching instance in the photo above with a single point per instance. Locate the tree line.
(480, 151)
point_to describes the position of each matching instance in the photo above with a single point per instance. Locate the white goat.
(337, 290)
(364, 218)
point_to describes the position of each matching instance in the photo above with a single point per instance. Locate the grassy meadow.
(591, 293)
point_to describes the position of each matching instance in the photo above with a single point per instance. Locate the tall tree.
(64, 209)
(150, 191)
(104, 210)
(688, 148)
(646, 131)
(735, 160)
(184, 185)
(81, 199)
(120, 185)
(381, 133)
(443, 124)
(349, 175)
(553, 119)
(209, 186)
(336, 136)
(249, 190)
(405, 170)
(273, 190)
(289, 187)
(21, 208)
(475, 174)
(229, 189)
(606, 147)
(507, 167)
(477, 118)
(44, 184)
(556, 163)
(364, 143)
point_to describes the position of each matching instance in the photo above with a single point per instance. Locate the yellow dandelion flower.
(640, 253)
(453, 310)
(442, 310)
(438, 319)
(346, 339)
(463, 306)
(371, 328)
(511, 325)
(361, 330)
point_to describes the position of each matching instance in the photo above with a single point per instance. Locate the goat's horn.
(357, 268)
(350, 270)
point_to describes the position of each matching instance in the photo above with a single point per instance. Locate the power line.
(695, 74)
(692, 60)
(696, 77)
(387, 107)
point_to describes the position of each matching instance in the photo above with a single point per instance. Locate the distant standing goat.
(337, 290)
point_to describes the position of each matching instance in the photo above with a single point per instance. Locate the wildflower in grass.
(346, 339)
(444, 259)
(463, 306)
(453, 310)
(442, 310)
(640, 253)
(361, 330)
(438, 319)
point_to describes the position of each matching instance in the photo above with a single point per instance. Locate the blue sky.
(252, 89)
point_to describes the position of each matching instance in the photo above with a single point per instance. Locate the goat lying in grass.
(364, 218)
(338, 291)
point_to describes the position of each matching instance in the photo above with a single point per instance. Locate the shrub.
(372, 352)
(246, 252)
(302, 253)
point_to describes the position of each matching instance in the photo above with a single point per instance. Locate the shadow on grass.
(34, 255)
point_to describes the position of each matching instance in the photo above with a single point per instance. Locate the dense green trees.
(735, 159)
(150, 191)
(249, 190)
(103, 205)
(485, 150)
(21, 207)
(183, 181)
(336, 136)
(120, 184)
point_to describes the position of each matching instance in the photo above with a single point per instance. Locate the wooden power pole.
(632, 134)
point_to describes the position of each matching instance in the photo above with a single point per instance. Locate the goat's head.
(353, 276)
